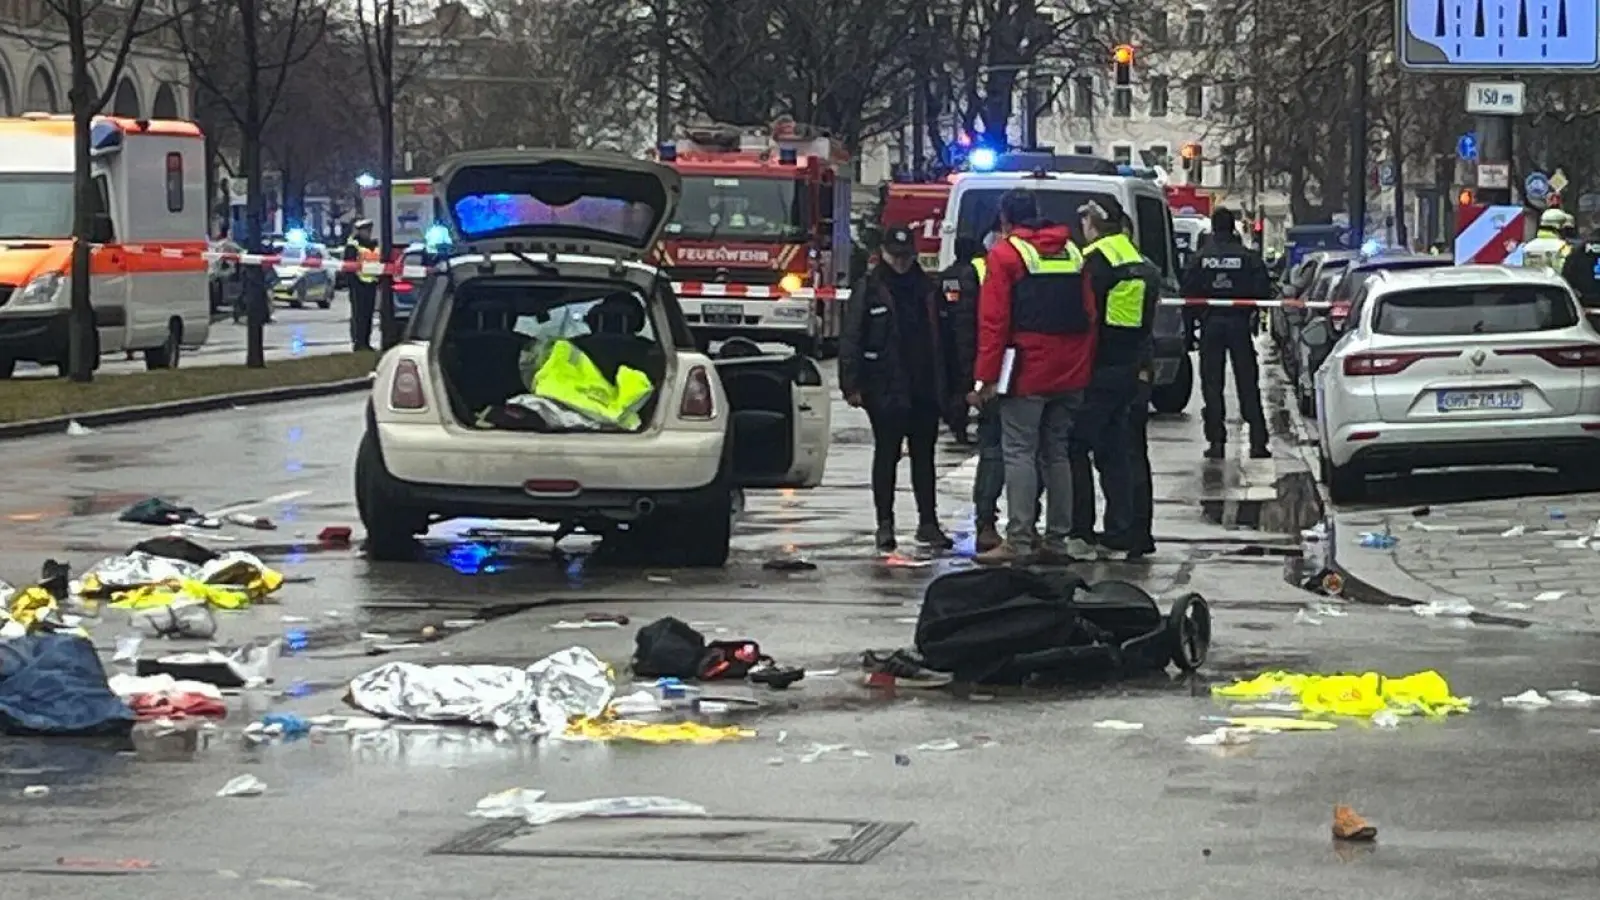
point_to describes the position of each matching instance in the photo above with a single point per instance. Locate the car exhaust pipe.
(643, 506)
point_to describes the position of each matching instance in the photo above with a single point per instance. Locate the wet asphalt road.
(1496, 803)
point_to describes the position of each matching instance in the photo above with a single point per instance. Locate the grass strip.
(28, 399)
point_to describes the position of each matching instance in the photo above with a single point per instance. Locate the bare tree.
(314, 142)
(242, 52)
(93, 31)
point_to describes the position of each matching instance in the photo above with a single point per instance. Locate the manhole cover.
(690, 839)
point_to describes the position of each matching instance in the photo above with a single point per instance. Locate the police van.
(1063, 184)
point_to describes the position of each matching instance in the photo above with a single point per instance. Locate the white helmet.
(1554, 218)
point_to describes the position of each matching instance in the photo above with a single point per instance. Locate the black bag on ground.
(668, 648)
(1008, 626)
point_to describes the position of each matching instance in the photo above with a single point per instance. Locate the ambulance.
(148, 280)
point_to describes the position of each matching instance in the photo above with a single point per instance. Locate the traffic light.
(1123, 58)
(1465, 198)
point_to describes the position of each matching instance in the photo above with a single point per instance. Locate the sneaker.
(1348, 825)
(1216, 451)
(987, 538)
(884, 539)
(1003, 554)
(931, 535)
(1078, 548)
(1260, 452)
(904, 667)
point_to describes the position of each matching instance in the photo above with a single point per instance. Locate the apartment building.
(35, 74)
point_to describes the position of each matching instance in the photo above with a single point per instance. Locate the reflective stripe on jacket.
(1125, 301)
(981, 267)
(1048, 299)
(1546, 251)
(569, 377)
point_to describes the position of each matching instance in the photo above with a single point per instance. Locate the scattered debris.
(1421, 511)
(243, 786)
(940, 746)
(335, 536)
(1452, 609)
(1512, 605)
(1303, 617)
(1222, 737)
(36, 790)
(1572, 697)
(1514, 531)
(529, 805)
(789, 564)
(1532, 699)
(286, 883)
(900, 759)
(260, 523)
(1529, 699)
(1352, 695)
(1119, 725)
(1549, 596)
(1376, 540)
(581, 625)
(1386, 718)
(1348, 825)
(76, 429)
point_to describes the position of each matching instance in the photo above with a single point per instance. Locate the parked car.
(1472, 365)
(1300, 359)
(298, 278)
(1286, 323)
(454, 429)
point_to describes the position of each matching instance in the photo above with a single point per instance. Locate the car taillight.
(697, 401)
(405, 391)
(1339, 312)
(1583, 357)
(1387, 363)
(402, 287)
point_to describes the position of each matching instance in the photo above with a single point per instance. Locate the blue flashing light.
(667, 151)
(295, 237)
(365, 181)
(1371, 247)
(437, 236)
(105, 137)
(982, 159)
(787, 156)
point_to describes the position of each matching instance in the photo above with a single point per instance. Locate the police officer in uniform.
(1548, 250)
(960, 283)
(1579, 271)
(1225, 269)
(1111, 426)
(359, 249)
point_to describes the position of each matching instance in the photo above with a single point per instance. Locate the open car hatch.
(592, 203)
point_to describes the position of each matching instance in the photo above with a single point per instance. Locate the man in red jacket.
(1036, 333)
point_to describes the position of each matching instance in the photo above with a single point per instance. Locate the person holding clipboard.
(1036, 337)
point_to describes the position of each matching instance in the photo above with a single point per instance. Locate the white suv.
(549, 248)
(1475, 365)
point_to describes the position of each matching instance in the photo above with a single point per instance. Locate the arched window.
(126, 101)
(42, 96)
(6, 108)
(166, 105)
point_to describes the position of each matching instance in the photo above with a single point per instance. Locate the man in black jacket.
(961, 281)
(896, 361)
(1226, 269)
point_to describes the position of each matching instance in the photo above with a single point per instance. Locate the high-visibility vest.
(364, 255)
(1548, 250)
(1125, 302)
(1049, 299)
(980, 266)
(569, 377)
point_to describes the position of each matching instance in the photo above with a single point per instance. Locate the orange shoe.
(1348, 825)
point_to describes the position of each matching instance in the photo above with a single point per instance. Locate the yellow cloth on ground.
(654, 732)
(34, 609)
(151, 596)
(1358, 696)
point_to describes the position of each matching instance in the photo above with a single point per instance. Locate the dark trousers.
(893, 429)
(990, 478)
(1227, 336)
(363, 300)
(1105, 434)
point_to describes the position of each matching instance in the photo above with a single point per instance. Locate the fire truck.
(760, 244)
(920, 207)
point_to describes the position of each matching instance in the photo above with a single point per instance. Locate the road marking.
(255, 504)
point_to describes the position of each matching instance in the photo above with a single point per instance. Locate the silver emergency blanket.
(555, 415)
(537, 700)
(138, 568)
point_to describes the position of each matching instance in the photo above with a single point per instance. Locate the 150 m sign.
(1496, 98)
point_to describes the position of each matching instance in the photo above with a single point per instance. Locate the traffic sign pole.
(1494, 149)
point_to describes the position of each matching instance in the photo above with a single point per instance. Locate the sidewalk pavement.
(1530, 559)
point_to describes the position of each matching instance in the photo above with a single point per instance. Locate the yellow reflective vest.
(980, 266)
(1126, 300)
(1548, 251)
(569, 377)
(364, 255)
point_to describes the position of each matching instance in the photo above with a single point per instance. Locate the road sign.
(1536, 187)
(1496, 98)
(1386, 174)
(1488, 234)
(1467, 145)
(1494, 175)
(1559, 181)
(1498, 35)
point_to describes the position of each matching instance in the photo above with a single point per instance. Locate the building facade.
(35, 75)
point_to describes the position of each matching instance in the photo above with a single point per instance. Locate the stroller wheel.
(1189, 625)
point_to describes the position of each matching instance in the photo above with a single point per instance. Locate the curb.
(175, 408)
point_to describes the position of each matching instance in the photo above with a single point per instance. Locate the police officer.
(1226, 269)
(1111, 426)
(1548, 250)
(360, 249)
(960, 281)
(1579, 271)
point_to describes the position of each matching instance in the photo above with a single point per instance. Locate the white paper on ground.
(1529, 699)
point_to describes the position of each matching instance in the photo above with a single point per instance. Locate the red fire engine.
(920, 207)
(760, 244)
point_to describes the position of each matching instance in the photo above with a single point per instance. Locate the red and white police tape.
(683, 289)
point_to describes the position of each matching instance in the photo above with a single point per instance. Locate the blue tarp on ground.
(54, 684)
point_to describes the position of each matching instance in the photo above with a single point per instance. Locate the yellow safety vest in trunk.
(1125, 302)
(569, 377)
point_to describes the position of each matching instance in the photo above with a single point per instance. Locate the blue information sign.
(1467, 146)
(1537, 187)
(1501, 35)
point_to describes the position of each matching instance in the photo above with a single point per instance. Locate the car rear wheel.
(392, 528)
(1173, 398)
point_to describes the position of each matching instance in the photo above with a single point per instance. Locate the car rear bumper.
(1393, 446)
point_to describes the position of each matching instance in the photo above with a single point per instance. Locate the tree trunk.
(388, 333)
(81, 343)
(254, 282)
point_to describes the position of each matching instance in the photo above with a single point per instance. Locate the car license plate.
(1457, 401)
(722, 313)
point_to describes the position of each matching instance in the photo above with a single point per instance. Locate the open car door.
(781, 420)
